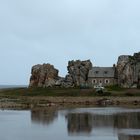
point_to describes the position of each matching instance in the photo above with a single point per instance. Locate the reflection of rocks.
(79, 123)
(125, 120)
(45, 116)
(94, 122)
(84, 123)
(128, 137)
(103, 121)
(121, 120)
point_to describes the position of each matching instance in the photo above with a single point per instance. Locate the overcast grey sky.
(55, 31)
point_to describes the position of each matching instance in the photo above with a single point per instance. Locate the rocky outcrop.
(124, 71)
(127, 73)
(128, 70)
(43, 76)
(78, 72)
(47, 76)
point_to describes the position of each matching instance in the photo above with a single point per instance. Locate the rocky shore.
(35, 102)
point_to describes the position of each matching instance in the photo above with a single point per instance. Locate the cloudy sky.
(55, 31)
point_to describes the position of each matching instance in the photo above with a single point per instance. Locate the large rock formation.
(47, 76)
(43, 76)
(78, 72)
(124, 71)
(127, 73)
(128, 70)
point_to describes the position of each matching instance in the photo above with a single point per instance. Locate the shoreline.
(45, 102)
(28, 98)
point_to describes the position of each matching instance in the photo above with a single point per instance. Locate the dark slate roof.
(102, 72)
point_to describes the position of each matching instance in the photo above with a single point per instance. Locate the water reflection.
(79, 123)
(123, 124)
(128, 137)
(127, 120)
(86, 122)
(44, 116)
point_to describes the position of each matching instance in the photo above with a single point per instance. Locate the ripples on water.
(71, 124)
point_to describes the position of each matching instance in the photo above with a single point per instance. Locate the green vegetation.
(47, 92)
(114, 88)
(103, 93)
(45, 97)
(72, 92)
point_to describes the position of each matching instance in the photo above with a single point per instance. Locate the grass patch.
(114, 88)
(47, 92)
(66, 92)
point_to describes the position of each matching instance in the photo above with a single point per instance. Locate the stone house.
(103, 76)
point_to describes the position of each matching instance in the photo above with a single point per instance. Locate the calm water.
(71, 124)
(12, 86)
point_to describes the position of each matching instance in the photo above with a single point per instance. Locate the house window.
(105, 72)
(96, 72)
(107, 81)
(100, 81)
(94, 81)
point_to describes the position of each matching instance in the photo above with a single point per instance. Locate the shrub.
(103, 93)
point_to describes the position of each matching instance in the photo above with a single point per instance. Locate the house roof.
(102, 72)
